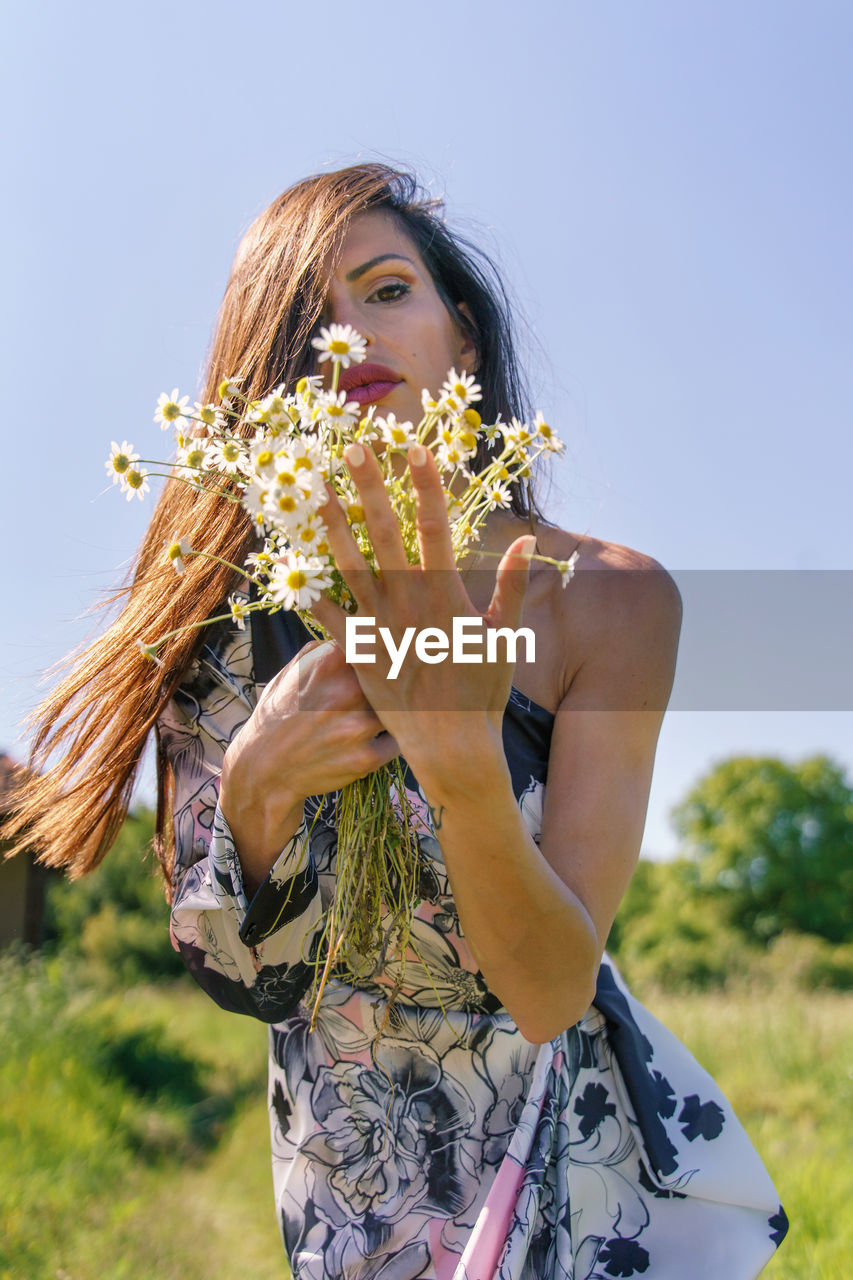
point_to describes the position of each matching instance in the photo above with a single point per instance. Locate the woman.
(519, 1115)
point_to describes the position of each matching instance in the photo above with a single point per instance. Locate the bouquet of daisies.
(287, 446)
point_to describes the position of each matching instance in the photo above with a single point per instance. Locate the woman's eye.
(390, 292)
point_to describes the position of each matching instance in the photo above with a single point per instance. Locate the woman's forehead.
(374, 234)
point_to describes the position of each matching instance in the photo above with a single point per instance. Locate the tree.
(775, 843)
(117, 916)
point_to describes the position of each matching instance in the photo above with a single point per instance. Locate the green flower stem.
(205, 622)
(241, 569)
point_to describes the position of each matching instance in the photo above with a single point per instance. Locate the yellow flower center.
(171, 411)
(304, 462)
(296, 579)
(286, 502)
(121, 462)
(135, 479)
(467, 439)
(208, 414)
(308, 534)
(473, 418)
(230, 451)
(195, 458)
(545, 431)
(338, 348)
(398, 435)
(264, 458)
(174, 552)
(286, 477)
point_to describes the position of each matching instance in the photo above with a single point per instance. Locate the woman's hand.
(312, 731)
(445, 708)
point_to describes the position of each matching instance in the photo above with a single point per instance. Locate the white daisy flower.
(255, 496)
(336, 410)
(566, 568)
(307, 455)
(176, 549)
(310, 535)
(273, 411)
(286, 508)
(498, 495)
(208, 419)
(458, 391)
(262, 456)
(517, 435)
(297, 580)
(341, 344)
(193, 459)
(238, 603)
(546, 435)
(289, 472)
(228, 390)
(261, 562)
(227, 455)
(149, 651)
(399, 435)
(450, 457)
(120, 459)
(134, 483)
(464, 532)
(366, 429)
(171, 411)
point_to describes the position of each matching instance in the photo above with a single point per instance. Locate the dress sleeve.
(250, 957)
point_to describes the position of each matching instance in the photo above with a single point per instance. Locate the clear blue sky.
(667, 186)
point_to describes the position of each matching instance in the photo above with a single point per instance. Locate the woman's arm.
(249, 951)
(537, 918)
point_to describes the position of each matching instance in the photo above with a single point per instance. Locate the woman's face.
(382, 288)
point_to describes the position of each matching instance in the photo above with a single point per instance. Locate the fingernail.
(417, 455)
(529, 547)
(354, 455)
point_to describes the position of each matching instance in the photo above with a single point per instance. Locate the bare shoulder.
(617, 620)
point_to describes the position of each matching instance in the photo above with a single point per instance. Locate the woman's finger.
(379, 517)
(434, 538)
(507, 603)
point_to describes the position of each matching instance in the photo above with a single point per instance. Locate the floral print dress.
(452, 1148)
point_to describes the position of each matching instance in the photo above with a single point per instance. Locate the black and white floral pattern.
(451, 1147)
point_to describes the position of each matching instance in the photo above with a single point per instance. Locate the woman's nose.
(340, 309)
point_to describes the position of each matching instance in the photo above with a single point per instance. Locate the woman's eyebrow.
(357, 272)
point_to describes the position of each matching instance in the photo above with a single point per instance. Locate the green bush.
(117, 917)
(669, 933)
(808, 962)
(774, 842)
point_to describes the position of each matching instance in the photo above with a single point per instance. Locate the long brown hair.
(91, 731)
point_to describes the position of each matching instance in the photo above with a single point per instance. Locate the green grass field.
(133, 1133)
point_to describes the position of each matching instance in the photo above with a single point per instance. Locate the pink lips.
(368, 383)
